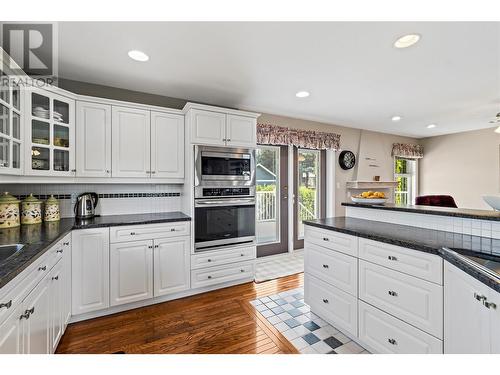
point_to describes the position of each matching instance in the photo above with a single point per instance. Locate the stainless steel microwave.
(215, 166)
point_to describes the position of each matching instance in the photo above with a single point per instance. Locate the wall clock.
(347, 160)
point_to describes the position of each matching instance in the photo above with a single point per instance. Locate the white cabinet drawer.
(332, 240)
(413, 300)
(148, 232)
(415, 263)
(221, 274)
(334, 305)
(335, 268)
(220, 257)
(382, 333)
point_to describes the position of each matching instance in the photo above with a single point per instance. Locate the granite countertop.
(38, 238)
(426, 240)
(431, 210)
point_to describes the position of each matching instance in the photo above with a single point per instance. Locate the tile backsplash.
(114, 199)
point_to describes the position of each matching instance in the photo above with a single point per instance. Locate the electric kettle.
(85, 205)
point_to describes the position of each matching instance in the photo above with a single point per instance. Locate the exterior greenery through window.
(308, 186)
(405, 173)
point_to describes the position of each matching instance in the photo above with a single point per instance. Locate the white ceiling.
(354, 74)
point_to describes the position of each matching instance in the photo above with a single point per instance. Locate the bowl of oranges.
(370, 197)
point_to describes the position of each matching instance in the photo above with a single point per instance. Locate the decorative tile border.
(105, 195)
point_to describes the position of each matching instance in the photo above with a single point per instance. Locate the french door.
(309, 189)
(271, 200)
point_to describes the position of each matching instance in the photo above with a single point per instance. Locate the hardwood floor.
(222, 321)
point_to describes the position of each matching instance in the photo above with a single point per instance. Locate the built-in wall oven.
(224, 166)
(224, 216)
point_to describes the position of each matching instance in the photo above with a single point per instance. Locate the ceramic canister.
(51, 209)
(31, 210)
(9, 211)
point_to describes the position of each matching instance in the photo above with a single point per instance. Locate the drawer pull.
(392, 341)
(326, 239)
(150, 246)
(132, 233)
(325, 266)
(479, 297)
(390, 257)
(55, 278)
(392, 293)
(209, 276)
(27, 313)
(490, 305)
(242, 255)
(242, 270)
(66, 243)
(59, 251)
(209, 260)
(42, 268)
(157, 246)
(325, 300)
(172, 230)
(7, 305)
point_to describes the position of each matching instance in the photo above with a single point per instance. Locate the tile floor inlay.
(307, 332)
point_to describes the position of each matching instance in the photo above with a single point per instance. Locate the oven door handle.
(220, 203)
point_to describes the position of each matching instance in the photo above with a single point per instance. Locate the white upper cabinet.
(50, 134)
(167, 145)
(93, 140)
(131, 150)
(221, 127)
(208, 127)
(471, 323)
(241, 131)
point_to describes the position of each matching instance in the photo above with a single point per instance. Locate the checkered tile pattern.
(280, 267)
(305, 330)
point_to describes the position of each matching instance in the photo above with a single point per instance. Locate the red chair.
(436, 200)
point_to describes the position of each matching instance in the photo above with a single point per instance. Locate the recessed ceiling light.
(406, 41)
(302, 94)
(138, 55)
(396, 118)
(431, 126)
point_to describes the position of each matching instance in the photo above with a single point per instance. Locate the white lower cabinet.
(332, 304)
(382, 333)
(472, 324)
(171, 265)
(57, 291)
(131, 272)
(11, 334)
(90, 270)
(205, 277)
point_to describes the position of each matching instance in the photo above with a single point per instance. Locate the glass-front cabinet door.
(51, 134)
(10, 125)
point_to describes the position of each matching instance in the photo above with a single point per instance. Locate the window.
(308, 178)
(405, 173)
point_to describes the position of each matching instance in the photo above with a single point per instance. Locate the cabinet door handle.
(132, 233)
(73, 170)
(392, 293)
(153, 172)
(325, 300)
(172, 230)
(42, 268)
(490, 305)
(209, 276)
(150, 246)
(224, 140)
(392, 341)
(108, 171)
(390, 257)
(326, 239)
(242, 270)
(27, 313)
(6, 305)
(209, 260)
(55, 278)
(242, 255)
(66, 243)
(157, 246)
(228, 140)
(325, 266)
(59, 251)
(479, 297)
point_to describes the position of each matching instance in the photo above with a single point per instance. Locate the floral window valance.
(278, 135)
(408, 150)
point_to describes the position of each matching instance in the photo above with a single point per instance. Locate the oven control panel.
(226, 192)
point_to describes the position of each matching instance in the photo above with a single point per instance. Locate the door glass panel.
(16, 125)
(61, 160)
(61, 112)
(16, 155)
(4, 152)
(40, 158)
(4, 87)
(308, 187)
(40, 106)
(40, 132)
(16, 97)
(61, 136)
(4, 120)
(267, 194)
